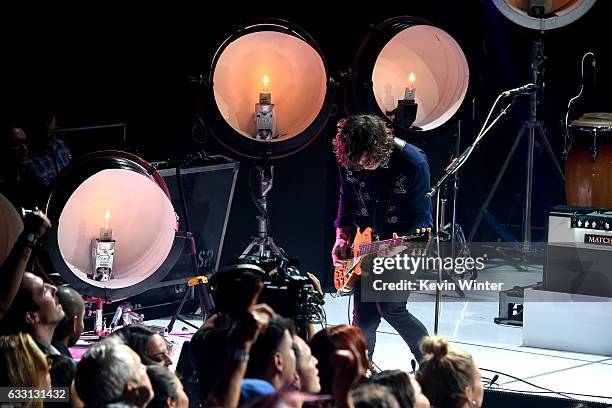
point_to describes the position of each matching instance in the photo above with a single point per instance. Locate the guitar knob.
(418, 231)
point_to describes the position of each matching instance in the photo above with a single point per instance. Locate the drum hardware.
(594, 148)
(567, 140)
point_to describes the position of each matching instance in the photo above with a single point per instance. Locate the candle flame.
(411, 78)
(106, 219)
(266, 81)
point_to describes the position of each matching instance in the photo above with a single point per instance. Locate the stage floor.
(469, 326)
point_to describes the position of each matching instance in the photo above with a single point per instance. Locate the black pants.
(366, 316)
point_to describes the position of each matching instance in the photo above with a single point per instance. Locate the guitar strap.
(382, 205)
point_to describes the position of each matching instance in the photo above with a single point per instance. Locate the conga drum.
(588, 167)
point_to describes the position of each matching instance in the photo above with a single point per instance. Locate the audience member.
(111, 373)
(404, 387)
(20, 187)
(150, 346)
(62, 370)
(34, 155)
(167, 389)
(12, 268)
(22, 364)
(449, 378)
(48, 154)
(374, 396)
(306, 378)
(35, 311)
(327, 341)
(69, 330)
(272, 361)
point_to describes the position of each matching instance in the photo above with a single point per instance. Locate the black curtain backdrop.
(130, 64)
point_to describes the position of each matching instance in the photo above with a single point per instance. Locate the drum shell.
(588, 176)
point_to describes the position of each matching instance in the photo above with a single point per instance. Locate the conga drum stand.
(532, 127)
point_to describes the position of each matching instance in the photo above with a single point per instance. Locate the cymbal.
(590, 124)
(597, 115)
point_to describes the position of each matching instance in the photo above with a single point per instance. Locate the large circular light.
(296, 76)
(556, 13)
(142, 220)
(10, 227)
(398, 47)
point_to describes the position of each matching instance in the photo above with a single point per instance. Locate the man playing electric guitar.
(383, 182)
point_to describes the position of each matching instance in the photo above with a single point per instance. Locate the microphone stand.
(206, 303)
(451, 170)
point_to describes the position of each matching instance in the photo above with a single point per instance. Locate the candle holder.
(102, 256)
(405, 113)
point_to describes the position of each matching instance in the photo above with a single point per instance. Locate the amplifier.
(209, 188)
(579, 251)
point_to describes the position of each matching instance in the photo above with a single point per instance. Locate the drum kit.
(588, 166)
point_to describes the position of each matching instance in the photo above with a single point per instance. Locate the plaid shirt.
(47, 166)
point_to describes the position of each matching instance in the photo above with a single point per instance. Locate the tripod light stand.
(532, 127)
(538, 16)
(293, 106)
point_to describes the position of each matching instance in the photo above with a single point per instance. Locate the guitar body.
(347, 274)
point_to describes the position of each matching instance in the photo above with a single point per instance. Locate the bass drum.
(588, 167)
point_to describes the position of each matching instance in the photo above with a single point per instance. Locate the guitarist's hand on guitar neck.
(342, 248)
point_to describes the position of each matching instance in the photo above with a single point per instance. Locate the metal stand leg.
(262, 247)
(483, 209)
(551, 153)
(532, 125)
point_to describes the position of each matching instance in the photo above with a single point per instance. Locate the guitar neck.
(377, 246)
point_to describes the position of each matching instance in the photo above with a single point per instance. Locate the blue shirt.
(408, 207)
(254, 388)
(47, 166)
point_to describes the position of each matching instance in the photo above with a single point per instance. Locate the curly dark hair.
(360, 134)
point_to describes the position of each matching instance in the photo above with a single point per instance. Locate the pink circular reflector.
(142, 220)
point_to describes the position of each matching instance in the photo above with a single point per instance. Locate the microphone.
(522, 90)
(594, 66)
(413, 365)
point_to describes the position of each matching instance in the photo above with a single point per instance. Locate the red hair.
(339, 144)
(327, 341)
(349, 337)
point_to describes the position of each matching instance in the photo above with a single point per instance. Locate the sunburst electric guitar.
(347, 274)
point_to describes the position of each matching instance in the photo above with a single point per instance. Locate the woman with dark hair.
(150, 346)
(404, 387)
(167, 389)
(449, 378)
(327, 341)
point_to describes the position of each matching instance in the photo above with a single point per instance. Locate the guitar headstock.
(420, 235)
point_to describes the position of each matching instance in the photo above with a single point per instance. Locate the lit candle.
(265, 97)
(106, 233)
(410, 92)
